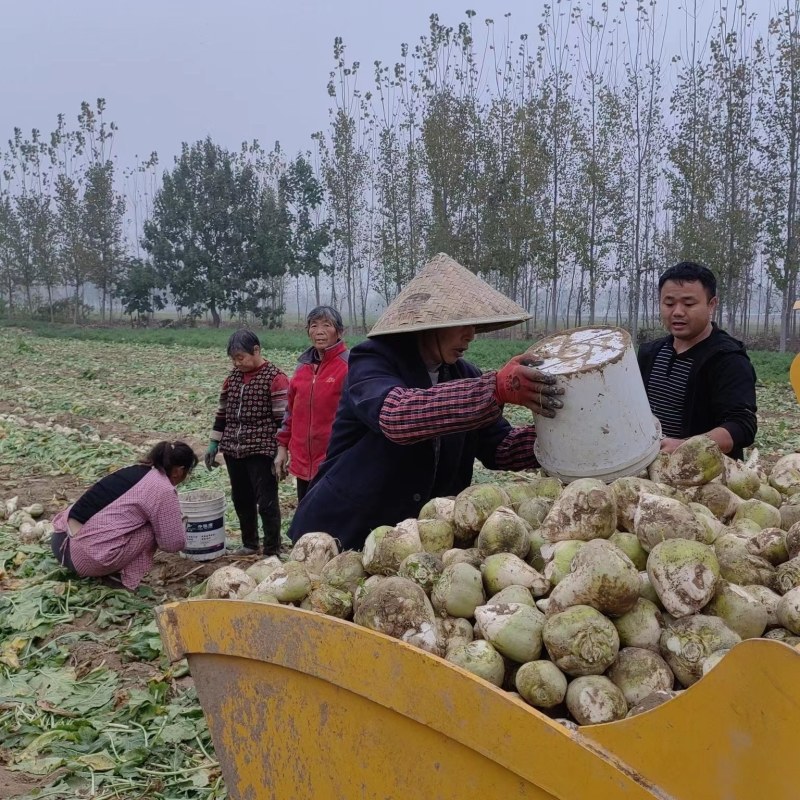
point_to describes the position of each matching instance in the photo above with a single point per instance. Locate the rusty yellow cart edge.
(301, 705)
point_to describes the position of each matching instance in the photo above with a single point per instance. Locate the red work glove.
(519, 383)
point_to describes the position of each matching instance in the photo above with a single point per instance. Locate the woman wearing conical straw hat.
(414, 414)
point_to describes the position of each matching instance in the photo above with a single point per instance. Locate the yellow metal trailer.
(302, 706)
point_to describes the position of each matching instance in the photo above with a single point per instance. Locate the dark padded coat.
(721, 392)
(366, 480)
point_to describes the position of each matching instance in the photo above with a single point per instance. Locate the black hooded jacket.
(721, 392)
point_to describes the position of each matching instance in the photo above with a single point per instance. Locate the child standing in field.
(251, 407)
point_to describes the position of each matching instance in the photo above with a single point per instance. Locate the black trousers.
(302, 488)
(59, 544)
(254, 491)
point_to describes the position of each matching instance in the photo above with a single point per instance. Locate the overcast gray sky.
(175, 70)
(179, 70)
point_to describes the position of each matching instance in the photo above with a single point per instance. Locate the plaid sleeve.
(219, 415)
(279, 391)
(515, 452)
(408, 416)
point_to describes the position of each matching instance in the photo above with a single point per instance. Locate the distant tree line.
(556, 166)
(61, 218)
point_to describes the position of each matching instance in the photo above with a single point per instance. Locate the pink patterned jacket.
(125, 535)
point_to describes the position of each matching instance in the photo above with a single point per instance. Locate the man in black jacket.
(699, 379)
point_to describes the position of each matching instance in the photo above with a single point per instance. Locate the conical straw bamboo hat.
(443, 295)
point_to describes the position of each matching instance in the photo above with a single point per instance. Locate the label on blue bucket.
(205, 537)
(205, 525)
(199, 551)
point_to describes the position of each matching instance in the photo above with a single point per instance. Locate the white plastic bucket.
(606, 429)
(204, 510)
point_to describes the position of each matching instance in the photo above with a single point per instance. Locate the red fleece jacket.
(314, 392)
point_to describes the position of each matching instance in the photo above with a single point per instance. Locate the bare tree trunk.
(77, 304)
(215, 317)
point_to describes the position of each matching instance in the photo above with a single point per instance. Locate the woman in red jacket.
(314, 392)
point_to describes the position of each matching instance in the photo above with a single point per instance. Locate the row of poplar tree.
(568, 168)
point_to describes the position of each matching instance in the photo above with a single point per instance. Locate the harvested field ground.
(89, 708)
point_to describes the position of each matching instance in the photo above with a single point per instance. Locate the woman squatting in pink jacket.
(115, 527)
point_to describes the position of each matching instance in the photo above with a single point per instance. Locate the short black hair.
(243, 341)
(327, 313)
(690, 271)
